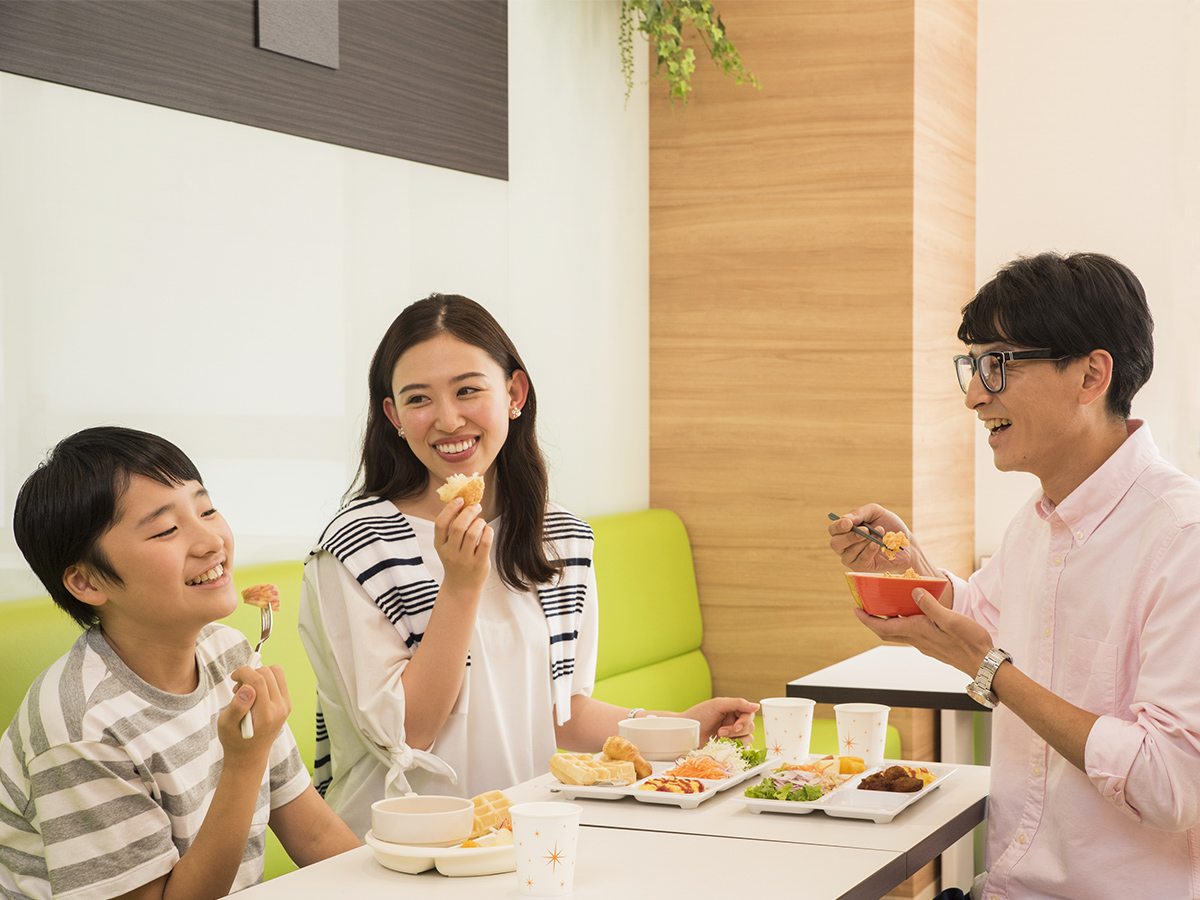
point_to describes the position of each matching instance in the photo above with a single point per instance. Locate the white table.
(633, 850)
(902, 676)
(620, 863)
(920, 833)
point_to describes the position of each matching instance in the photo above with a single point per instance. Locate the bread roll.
(619, 747)
(470, 488)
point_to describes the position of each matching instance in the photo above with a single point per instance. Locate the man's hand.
(861, 555)
(941, 633)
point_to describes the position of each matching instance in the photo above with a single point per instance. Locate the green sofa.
(650, 635)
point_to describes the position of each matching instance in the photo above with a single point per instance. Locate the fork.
(864, 532)
(255, 662)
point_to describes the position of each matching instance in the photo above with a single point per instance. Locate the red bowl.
(891, 595)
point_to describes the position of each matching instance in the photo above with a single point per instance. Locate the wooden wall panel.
(781, 322)
(425, 80)
(943, 278)
(810, 247)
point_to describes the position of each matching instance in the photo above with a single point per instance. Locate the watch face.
(982, 697)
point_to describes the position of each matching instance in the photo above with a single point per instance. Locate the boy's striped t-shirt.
(105, 780)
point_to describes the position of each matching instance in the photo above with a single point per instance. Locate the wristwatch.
(981, 688)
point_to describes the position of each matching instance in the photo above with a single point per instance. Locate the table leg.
(958, 746)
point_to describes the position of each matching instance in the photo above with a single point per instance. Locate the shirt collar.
(1089, 504)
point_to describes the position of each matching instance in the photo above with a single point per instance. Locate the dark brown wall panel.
(425, 80)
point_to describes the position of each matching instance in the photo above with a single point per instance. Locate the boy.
(1080, 630)
(124, 773)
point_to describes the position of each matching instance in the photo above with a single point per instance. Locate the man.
(1081, 629)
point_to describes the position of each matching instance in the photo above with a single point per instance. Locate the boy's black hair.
(1072, 304)
(72, 499)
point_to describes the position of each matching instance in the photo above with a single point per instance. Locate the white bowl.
(429, 819)
(661, 737)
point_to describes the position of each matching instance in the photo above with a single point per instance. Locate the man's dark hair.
(72, 499)
(1072, 304)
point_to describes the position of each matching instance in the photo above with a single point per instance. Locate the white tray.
(452, 861)
(848, 802)
(712, 787)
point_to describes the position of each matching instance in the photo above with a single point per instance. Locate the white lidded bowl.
(659, 737)
(416, 819)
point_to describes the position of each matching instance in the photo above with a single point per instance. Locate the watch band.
(980, 689)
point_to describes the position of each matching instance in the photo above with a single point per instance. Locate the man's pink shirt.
(1098, 599)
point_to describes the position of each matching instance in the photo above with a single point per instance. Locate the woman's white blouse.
(501, 730)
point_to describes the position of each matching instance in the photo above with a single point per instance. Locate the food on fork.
(585, 769)
(469, 487)
(672, 784)
(621, 748)
(491, 808)
(264, 596)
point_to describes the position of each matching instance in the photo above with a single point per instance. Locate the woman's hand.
(730, 717)
(463, 541)
(861, 555)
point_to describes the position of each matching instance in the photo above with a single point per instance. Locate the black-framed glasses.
(990, 366)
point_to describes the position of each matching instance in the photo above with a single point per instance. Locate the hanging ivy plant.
(662, 21)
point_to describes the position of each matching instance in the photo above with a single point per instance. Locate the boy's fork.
(255, 662)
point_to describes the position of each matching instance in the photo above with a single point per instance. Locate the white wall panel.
(225, 286)
(1089, 136)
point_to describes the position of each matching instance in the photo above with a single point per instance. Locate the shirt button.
(1079, 535)
(1057, 560)
(1020, 838)
(1047, 631)
(1037, 771)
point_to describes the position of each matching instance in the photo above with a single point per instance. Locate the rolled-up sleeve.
(1148, 763)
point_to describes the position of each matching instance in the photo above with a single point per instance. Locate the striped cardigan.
(378, 546)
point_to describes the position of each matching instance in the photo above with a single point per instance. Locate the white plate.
(685, 801)
(453, 861)
(848, 802)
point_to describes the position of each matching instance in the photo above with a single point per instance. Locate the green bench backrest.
(33, 634)
(650, 625)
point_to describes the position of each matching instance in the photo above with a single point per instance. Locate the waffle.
(584, 769)
(262, 595)
(469, 488)
(490, 810)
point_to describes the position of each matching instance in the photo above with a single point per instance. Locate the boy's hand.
(463, 541)
(261, 693)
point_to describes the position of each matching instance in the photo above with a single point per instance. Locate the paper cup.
(545, 837)
(861, 730)
(788, 725)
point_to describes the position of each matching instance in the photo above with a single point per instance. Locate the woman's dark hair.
(388, 467)
(72, 499)
(1072, 304)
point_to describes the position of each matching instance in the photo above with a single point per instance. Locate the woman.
(455, 645)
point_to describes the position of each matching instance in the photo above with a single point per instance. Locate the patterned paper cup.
(861, 730)
(788, 725)
(545, 836)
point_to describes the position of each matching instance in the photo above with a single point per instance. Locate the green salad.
(770, 789)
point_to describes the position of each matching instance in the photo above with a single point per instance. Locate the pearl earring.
(514, 413)
(400, 431)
